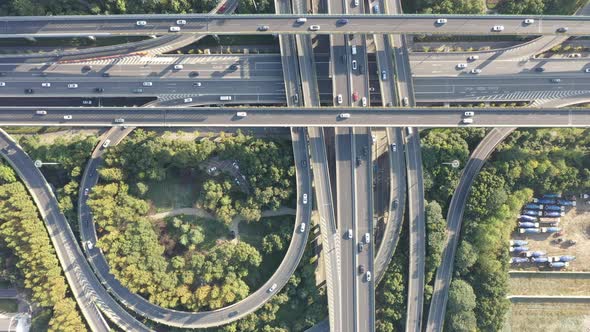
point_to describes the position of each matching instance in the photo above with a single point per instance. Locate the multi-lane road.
(288, 117)
(208, 24)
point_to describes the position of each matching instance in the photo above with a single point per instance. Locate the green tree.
(460, 316)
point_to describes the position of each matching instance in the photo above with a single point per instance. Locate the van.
(225, 98)
(467, 120)
(353, 49)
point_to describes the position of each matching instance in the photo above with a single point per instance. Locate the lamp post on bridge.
(455, 163)
(39, 163)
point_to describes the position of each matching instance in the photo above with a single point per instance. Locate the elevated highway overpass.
(209, 24)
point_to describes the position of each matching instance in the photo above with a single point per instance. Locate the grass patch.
(8, 305)
(210, 41)
(212, 229)
(547, 317)
(69, 42)
(176, 191)
(544, 284)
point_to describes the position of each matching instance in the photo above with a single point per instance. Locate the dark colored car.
(99, 90)
(361, 247)
(86, 69)
(29, 91)
(233, 67)
(361, 269)
(303, 163)
(563, 29)
(342, 21)
(193, 74)
(106, 75)
(539, 69)
(358, 161)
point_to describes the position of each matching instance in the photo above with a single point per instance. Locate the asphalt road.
(203, 24)
(331, 238)
(205, 318)
(287, 117)
(363, 194)
(396, 211)
(87, 289)
(444, 272)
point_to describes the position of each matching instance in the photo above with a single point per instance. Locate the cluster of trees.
(297, 307)
(70, 153)
(96, 7)
(538, 7)
(391, 295)
(191, 280)
(177, 265)
(37, 268)
(528, 162)
(436, 233)
(561, 7)
(267, 165)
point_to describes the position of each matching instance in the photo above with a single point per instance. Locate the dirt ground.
(553, 284)
(575, 225)
(548, 317)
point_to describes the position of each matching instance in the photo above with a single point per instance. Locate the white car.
(272, 288)
(441, 21)
(383, 75)
(86, 191)
(46, 85)
(353, 49)
(148, 83)
(301, 20)
(374, 139)
(304, 198)
(314, 28)
(106, 143)
(469, 113)
(241, 114)
(188, 100)
(41, 112)
(339, 99)
(180, 22)
(2, 83)
(302, 227)
(529, 21)
(72, 86)
(368, 275)
(178, 67)
(467, 120)
(89, 245)
(498, 28)
(575, 55)
(174, 29)
(140, 23)
(197, 84)
(67, 117)
(354, 65)
(344, 115)
(587, 70)
(475, 71)
(473, 57)
(119, 120)
(367, 238)
(393, 147)
(364, 101)
(86, 102)
(461, 65)
(349, 234)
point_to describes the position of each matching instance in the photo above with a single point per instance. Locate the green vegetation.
(460, 307)
(391, 295)
(71, 154)
(96, 7)
(8, 305)
(297, 307)
(436, 230)
(36, 267)
(543, 160)
(185, 262)
(554, 7)
(537, 7)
